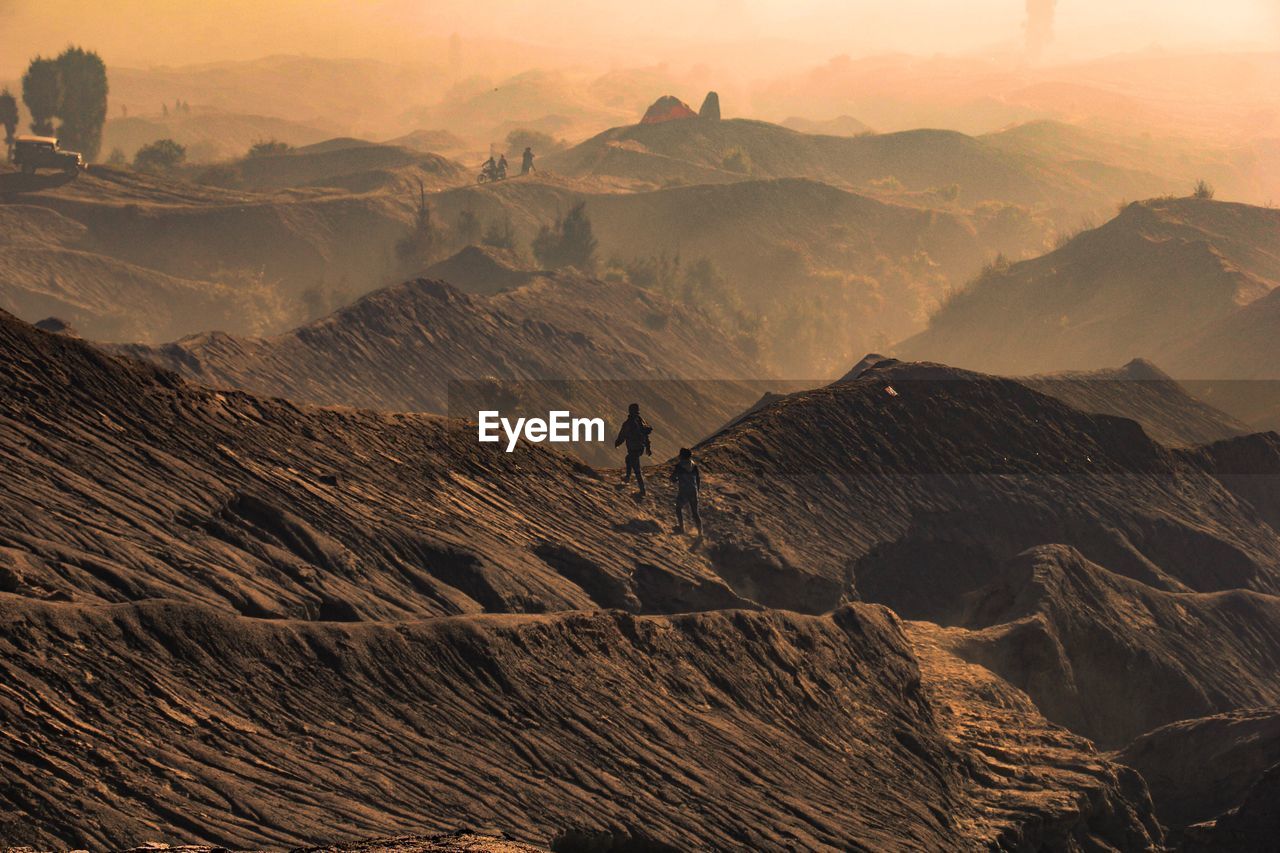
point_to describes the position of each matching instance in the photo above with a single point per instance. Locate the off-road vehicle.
(42, 152)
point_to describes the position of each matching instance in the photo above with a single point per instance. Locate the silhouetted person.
(685, 475)
(490, 168)
(502, 166)
(635, 434)
(526, 166)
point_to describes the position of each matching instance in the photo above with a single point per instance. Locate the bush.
(1203, 189)
(160, 157)
(269, 147)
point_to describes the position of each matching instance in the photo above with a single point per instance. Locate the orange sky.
(146, 32)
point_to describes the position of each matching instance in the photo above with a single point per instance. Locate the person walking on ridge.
(635, 434)
(685, 475)
(526, 165)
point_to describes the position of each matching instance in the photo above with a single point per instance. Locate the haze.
(149, 32)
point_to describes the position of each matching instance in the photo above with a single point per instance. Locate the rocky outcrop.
(667, 108)
(710, 108)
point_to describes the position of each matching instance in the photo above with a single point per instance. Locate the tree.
(269, 147)
(42, 93)
(571, 243)
(415, 248)
(83, 105)
(161, 156)
(1203, 189)
(8, 117)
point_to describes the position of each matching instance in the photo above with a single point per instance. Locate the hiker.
(635, 433)
(502, 166)
(527, 166)
(685, 475)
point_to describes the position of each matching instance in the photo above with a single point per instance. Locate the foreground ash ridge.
(239, 621)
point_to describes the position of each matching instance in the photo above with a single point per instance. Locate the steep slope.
(934, 478)
(46, 270)
(1146, 394)
(1104, 655)
(1141, 285)
(739, 730)
(126, 484)
(400, 349)
(973, 470)
(1252, 825)
(307, 249)
(1233, 362)
(1200, 768)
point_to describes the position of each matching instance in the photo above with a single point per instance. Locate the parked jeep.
(42, 152)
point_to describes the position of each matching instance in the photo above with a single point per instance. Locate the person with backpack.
(685, 475)
(635, 434)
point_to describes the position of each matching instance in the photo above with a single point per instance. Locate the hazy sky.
(146, 32)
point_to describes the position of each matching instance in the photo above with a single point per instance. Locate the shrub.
(1203, 189)
(269, 147)
(161, 156)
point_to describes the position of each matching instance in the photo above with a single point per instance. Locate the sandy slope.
(737, 729)
(1145, 284)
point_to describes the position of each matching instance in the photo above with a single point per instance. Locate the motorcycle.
(490, 173)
